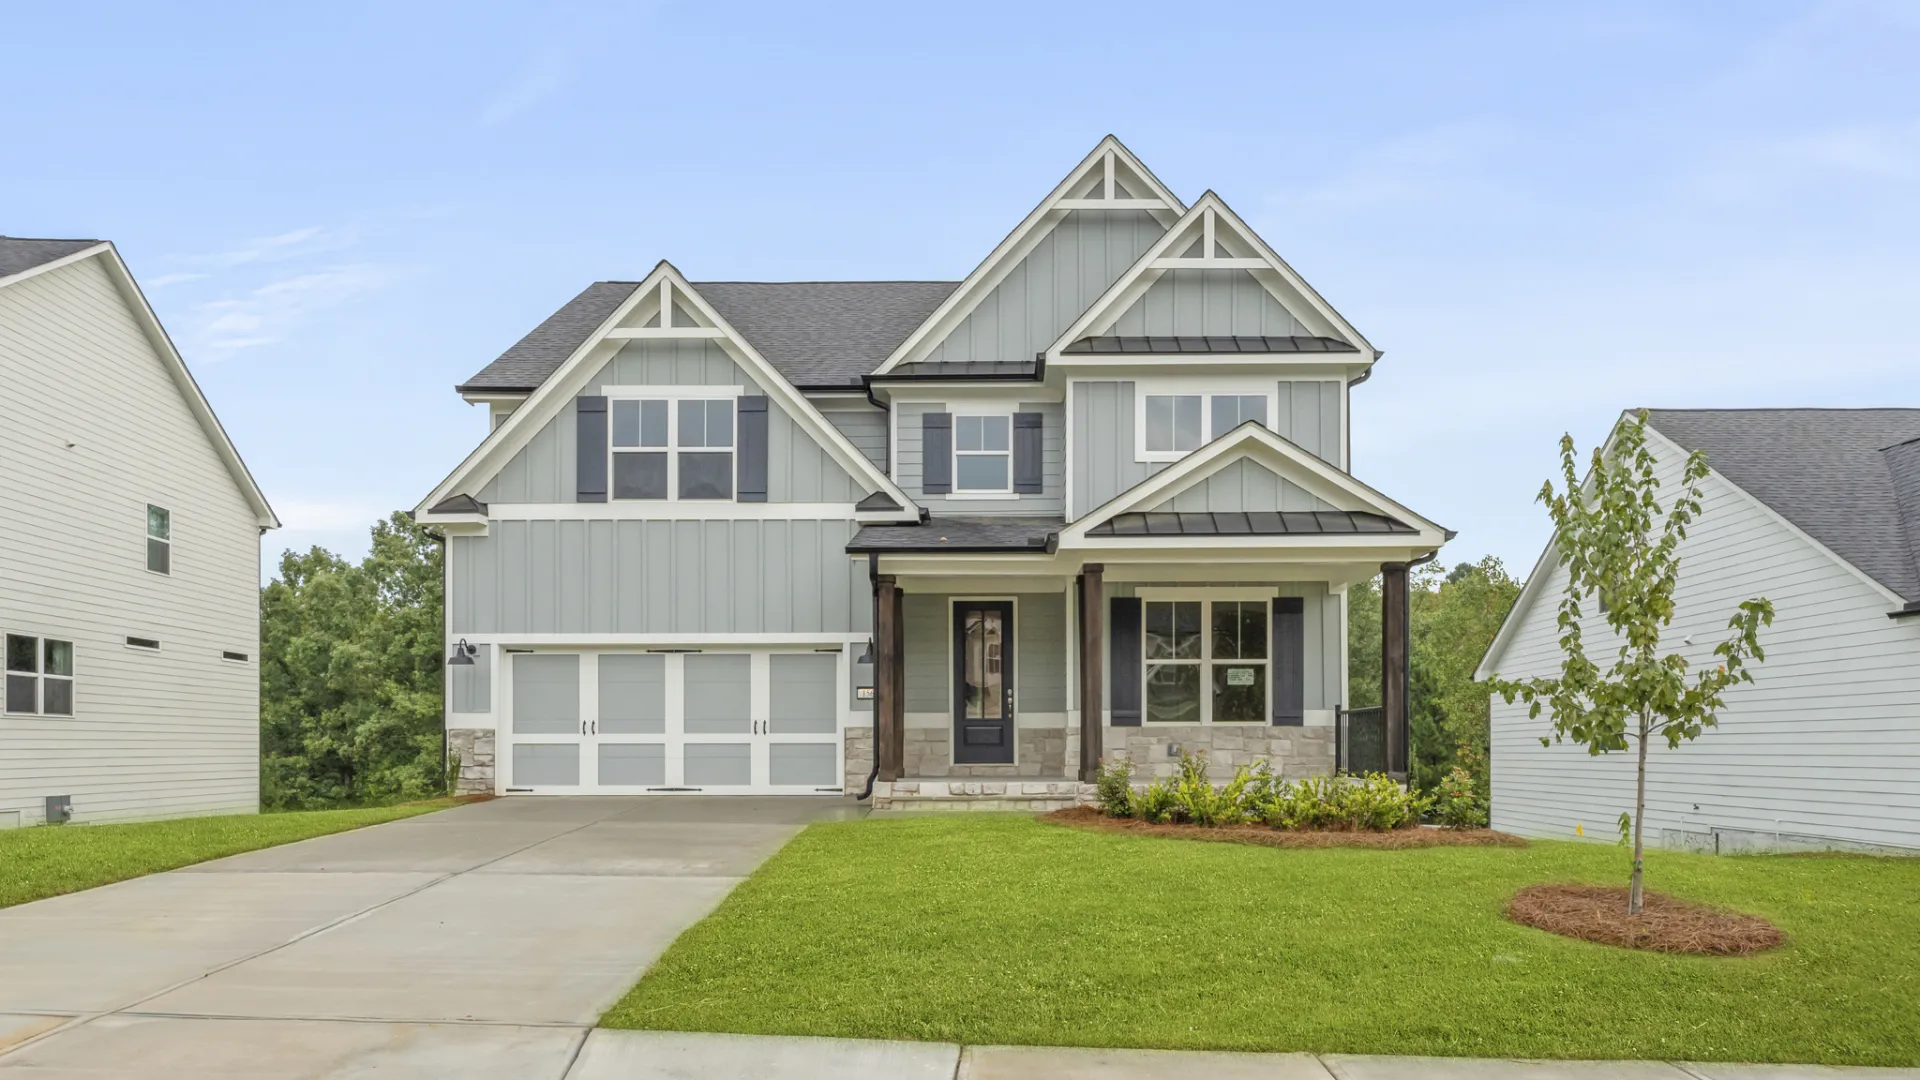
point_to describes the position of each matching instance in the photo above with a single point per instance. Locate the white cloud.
(265, 314)
(165, 280)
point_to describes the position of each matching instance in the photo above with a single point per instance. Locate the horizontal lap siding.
(1824, 743)
(865, 428)
(1039, 662)
(1052, 495)
(658, 577)
(154, 734)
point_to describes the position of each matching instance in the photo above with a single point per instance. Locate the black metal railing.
(1360, 741)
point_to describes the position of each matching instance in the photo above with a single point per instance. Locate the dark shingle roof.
(1119, 346)
(1252, 523)
(959, 534)
(19, 254)
(819, 334)
(1843, 476)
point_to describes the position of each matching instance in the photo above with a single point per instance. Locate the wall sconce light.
(463, 654)
(867, 656)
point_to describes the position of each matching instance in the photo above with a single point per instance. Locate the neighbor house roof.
(821, 335)
(1849, 478)
(20, 254)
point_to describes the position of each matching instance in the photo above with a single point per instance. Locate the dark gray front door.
(983, 682)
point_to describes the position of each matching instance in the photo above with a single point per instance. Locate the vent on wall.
(237, 657)
(143, 643)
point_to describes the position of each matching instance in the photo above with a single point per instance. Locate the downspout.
(873, 575)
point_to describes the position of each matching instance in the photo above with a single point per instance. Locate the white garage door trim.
(572, 743)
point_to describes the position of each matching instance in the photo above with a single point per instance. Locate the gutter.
(1907, 611)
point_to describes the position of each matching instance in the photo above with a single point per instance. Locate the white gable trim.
(175, 364)
(558, 390)
(1251, 441)
(1162, 203)
(1496, 652)
(1209, 220)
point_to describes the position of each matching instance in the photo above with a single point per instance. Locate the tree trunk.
(1639, 818)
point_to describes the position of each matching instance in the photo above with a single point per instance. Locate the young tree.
(1620, 545)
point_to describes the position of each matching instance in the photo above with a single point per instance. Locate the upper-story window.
(680, 448)
(1173, 424)
(983, 453)
(159, 540)
(39, 675)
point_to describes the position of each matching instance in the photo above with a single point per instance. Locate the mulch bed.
(1087, 817)
(1665, 924)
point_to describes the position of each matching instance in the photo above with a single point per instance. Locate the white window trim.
(40, 676)
(673, 395)
(1206, 661)
(1205, 389)
(982, 493)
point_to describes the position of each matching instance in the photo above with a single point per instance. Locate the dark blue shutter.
(590, 471)
(1027, 428)
(1123, 660)
(1289, 660)
(752, 449)
(936, 453)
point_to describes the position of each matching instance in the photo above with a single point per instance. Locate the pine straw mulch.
(1087, 817)
(1665, 924)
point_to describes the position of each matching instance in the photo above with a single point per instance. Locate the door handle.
(596, 727)
(583, 727)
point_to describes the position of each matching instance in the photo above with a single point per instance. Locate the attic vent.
(143, 643)
(237, 657)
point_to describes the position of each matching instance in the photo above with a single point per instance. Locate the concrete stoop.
(927, 794)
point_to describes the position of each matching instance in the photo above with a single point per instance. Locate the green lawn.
(1002, 929)
(45, 861)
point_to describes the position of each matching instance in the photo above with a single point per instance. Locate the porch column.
(1395, 654)
(888, 684)
(1092, 667)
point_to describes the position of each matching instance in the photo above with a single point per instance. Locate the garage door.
(750, 723)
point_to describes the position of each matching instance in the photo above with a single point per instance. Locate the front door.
(983, 682)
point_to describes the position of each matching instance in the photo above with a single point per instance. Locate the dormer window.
(679, 448)
(1173, 420)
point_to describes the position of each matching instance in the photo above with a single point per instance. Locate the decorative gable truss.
(664, 306)
(1110, 178)
(1253, 489)
(1210, 285)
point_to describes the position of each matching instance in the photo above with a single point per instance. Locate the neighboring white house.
(1817, 510)
(129, 557)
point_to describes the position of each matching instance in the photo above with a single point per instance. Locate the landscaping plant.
(1621, 547)
(1373, 803)
(1457, 803)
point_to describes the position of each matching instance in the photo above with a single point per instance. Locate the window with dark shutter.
(936, 453)
(1027, 430)
(753, 449)
(590, 422)
(1123, 660)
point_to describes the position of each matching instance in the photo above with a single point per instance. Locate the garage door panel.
(718, 694)
(546, 694)
(804, 764)
(633, 694)
(805, 695)
(633, 765)
(718, 764)
(546, 765)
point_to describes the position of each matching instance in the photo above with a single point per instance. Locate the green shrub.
(1457, 803)
(1113, 785)
(1379, 804)
(1158, 803)
(1199, 802)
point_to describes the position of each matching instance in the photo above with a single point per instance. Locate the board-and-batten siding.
(1242, 486)
(1051, 287)
(864, 426)
(1052, 495)
(798, 469)
(1307, 412)
(657, 577)
(153, 734)
(1823, 744)
(1221, 302)
(1039, 659)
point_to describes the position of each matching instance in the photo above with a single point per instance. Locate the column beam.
(1395, 656)
(889, 732)
(1093, 606)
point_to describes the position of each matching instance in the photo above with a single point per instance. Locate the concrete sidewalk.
(664, 1055)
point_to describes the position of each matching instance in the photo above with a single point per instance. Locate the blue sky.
(1544, 213)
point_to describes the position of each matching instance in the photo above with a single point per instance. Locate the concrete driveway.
(479, 941)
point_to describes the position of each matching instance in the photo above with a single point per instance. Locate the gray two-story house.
(778, 537)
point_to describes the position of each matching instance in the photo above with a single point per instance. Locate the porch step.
(975, 794)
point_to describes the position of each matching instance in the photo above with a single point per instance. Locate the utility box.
(59, 809)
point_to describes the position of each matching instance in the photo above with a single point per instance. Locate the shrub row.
(1373, 802)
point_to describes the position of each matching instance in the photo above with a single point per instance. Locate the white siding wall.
(153, 734)
(1823, 745)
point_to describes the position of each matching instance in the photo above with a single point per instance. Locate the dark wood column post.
(889, 742)
(1395, 646)
(1093, 624)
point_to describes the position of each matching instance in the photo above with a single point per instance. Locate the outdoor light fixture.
(867, 656)
(463, 653)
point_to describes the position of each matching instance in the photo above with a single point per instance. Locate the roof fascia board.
(544, 404)
(196, 399)
(55, 264)
(1145, 272)
(1017, 244)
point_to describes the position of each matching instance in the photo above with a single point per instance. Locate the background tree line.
(1456, 613)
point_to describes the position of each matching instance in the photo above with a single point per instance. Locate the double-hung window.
(159, 540)
(39, 675)
(983, 453)
(1206, 661)
(672, 448)
(1174, 424)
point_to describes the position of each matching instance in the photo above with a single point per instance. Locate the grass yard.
(44, 861)
(982, 928)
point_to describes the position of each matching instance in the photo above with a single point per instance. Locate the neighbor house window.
(672, 448)
(159, 540)
(1206, 661)
(39, 675)
(1171, 425)
(983, 453)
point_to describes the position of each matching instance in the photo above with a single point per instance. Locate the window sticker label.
(1240, 676)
